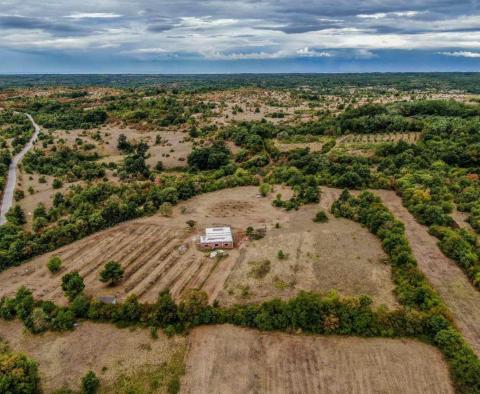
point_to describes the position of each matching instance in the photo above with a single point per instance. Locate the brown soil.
(446, 277)
(64, 358)
(228, 359)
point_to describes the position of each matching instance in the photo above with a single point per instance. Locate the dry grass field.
(338, 254)
(42, 192)
(228, 359)
(115, 355)
(148, 250)
(173, 149)
(313, 146)
(446, 277)
(334, 255)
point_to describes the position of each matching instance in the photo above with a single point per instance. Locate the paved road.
(7, 200)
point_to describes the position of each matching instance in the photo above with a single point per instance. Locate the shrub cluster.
(18, 373)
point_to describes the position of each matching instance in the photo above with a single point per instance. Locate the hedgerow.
(412, 288)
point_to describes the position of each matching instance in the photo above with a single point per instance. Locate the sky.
(231, 36)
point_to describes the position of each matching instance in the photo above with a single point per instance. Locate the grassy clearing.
(151, 378)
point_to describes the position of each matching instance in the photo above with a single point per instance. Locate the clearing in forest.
(302, 255)
(227, 359)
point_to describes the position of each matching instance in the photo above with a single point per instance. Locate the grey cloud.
(27, 23)
(188, 26)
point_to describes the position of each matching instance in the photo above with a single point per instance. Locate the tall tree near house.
(112, 273)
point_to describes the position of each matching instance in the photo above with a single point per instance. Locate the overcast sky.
(213, 36)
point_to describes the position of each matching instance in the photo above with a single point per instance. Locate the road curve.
(7, 200)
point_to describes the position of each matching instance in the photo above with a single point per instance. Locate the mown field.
(226, 359)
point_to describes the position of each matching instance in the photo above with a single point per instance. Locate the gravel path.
(7, 200)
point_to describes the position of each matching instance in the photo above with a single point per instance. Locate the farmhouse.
(217, 237)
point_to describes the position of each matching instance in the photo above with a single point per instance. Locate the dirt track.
(444, 275)
(228, 359)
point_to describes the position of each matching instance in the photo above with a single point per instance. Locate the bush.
(209, 158)
(54, 264)
(90, 383)
(259, 269)
(320, 217)
(57, 183)
(264, 189)
(18, 374)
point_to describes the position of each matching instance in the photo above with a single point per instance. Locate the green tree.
(16, 215)
(72, 285)
(18, 374)
(264, 189)
(54, 264)
(112, 273)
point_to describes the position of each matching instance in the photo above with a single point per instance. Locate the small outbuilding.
(112, 300)
(217, 238)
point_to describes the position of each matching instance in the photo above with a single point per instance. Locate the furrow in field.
(157, 262)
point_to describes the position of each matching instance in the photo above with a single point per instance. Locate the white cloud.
(381, 15)
(150, 50)
(312, 53)
(93, 15)
(461, 54)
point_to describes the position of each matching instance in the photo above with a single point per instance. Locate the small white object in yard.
(182, 249)
(217, 253)
(259, 196)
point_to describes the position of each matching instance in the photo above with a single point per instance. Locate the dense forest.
(403, 81)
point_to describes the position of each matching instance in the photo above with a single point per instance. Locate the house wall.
(219, 245)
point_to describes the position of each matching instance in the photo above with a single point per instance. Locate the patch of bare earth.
(337, 255)
(64, 358)
(227, 359)
(446, 277)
